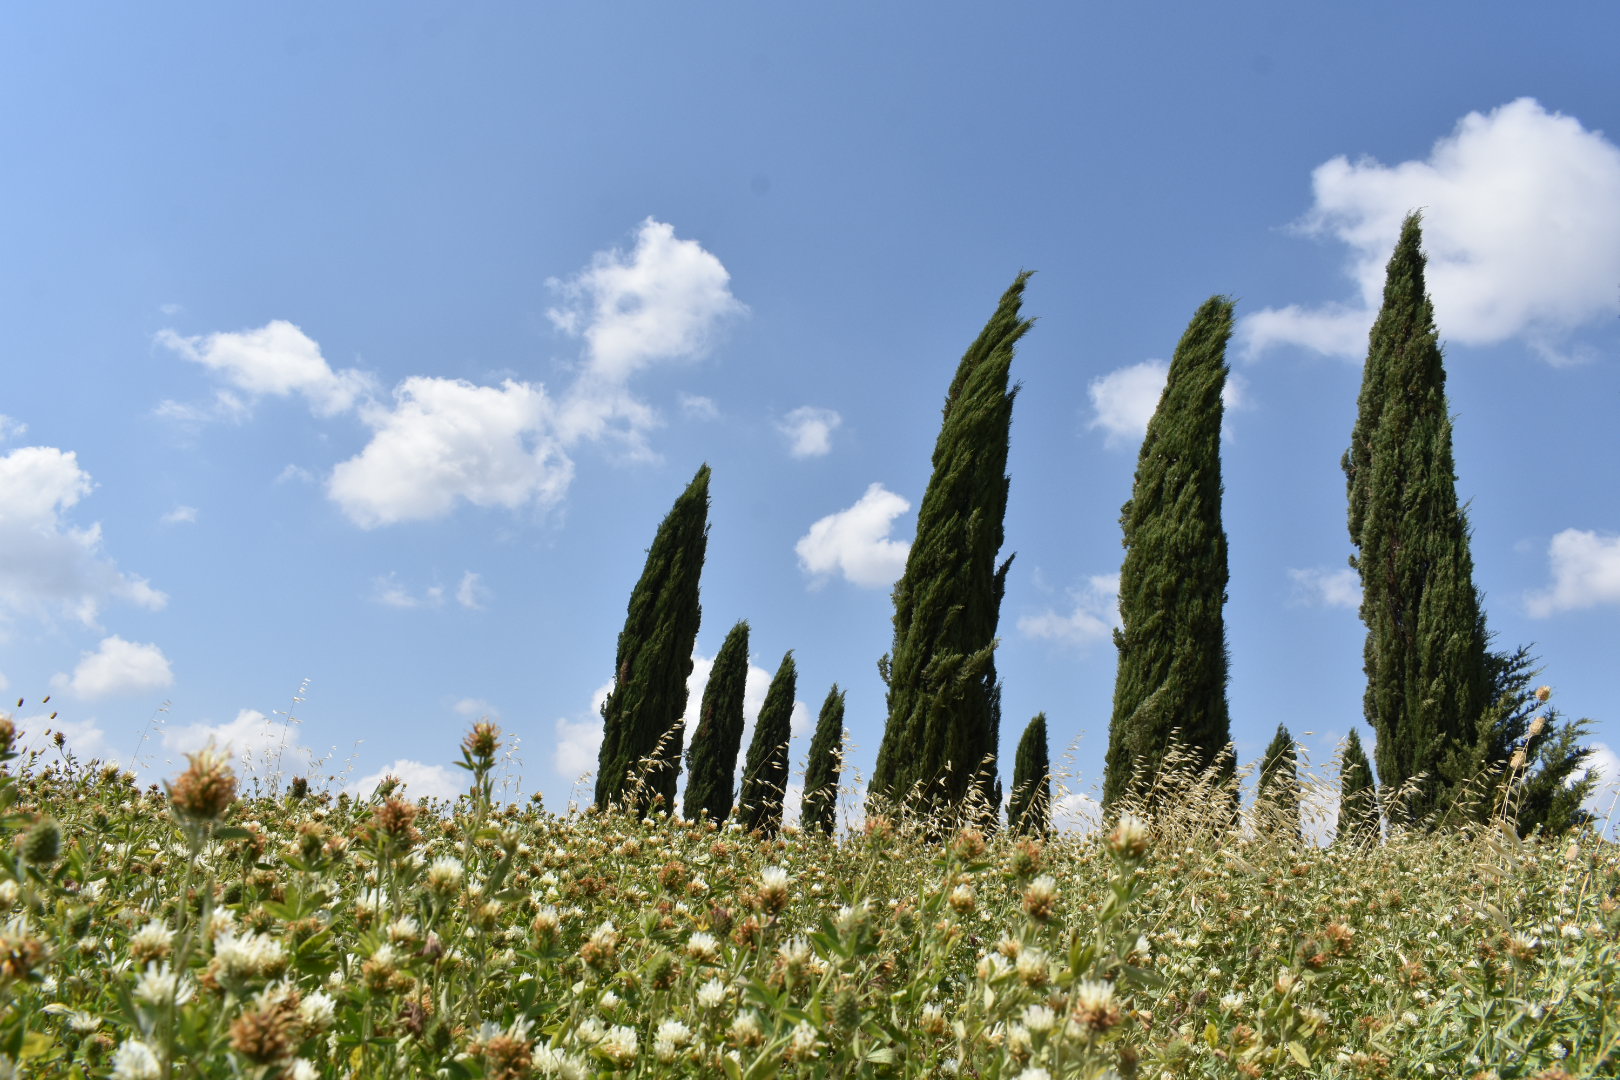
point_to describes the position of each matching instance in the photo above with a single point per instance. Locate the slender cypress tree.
(1358, 796)
(819, 810)
(941, 737)
(765, 776)
(1171, 681)
(1428, 670)
(642, 714)
(1277, 794)
(711, 759)
(1029, 811)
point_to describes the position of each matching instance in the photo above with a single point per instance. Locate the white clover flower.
(1231, 1002)
(134, 1060)
(404, 928)
(1039, 1019)
(1019, 1043)
(804, 1044)
(609, 1000)
(745, 1028)
(303, 1069)
(795, 952)
(8, 893)
(702, 946)
(619, 1043)
(1034, 1072)
(676, 1032)
(1033, 967)
(318, 1010)
(152, 939)
(588, 1031)
(158, 986)
(711, 994)
(559, 1064)
(773, 878)
(445, 874)
(1093, 996)
(249, 955)
(78, 1020)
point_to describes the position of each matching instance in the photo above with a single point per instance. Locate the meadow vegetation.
(208, 929)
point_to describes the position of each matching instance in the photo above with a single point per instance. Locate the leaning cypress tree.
(941, 737)
(819, 810)
(641, 717)
(1277, 794)
(1358, 797)
(765, 776)
(1029, 811)
(1171, 681)
(1426, 659)
(711, 759)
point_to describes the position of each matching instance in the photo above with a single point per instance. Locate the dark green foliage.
(819, 810)
(641, 717)
(941, 738)
(1358, 796)
(1277, 794)
(1029, 811)
(765, 776)
(711, 759)
(1428, 675)
(1171, 681)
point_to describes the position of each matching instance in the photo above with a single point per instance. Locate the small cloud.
(277, 359)
(472, 593)
(295, 474)
(171, 310)
(475, 709)
(420, 781)
(117, 667)
(1125, 400)
(578, 742)
(1586, 573)
(181, 515)
(1092, 618)
(856, 542)
(697, 407)
(389, 591)
(1319, 587)
(11, 429)
(809, 430)
(1604, 765)
(1076, 813)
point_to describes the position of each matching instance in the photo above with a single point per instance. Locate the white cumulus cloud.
(1092, 616)
(51, 566)
(1585, 571)
(277, 359)
(856, 543)
(258, 743)
(118, 667)
(1521, 227)
(420, 780)
(578, 740)
(1124, 400)
(809, 430)
(1604, 765)
(1318, 586)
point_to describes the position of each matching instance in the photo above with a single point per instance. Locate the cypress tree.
(1428, 672)
(1171, 681)
(1277, 794)
(642, 714)
(1358, 797)
(819, 810)
(764, 782)
(940, 741)
(711, 759)
(1029, 811)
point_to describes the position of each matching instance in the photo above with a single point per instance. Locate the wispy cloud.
(1092, 616)
(1317, 586)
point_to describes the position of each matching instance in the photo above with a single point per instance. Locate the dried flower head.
(482, 741)
(207, 788)
(1129, 840)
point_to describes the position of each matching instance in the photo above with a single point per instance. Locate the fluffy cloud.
(1124, 400)
(446, 440)
(1585, 570)
(1092, 617)
(856, 542)
(1319, 587)
(1075, 812)
(579, 740)
(261, 746)
(118, 667)
(181, 515)
(809, 430)
(51, 566)
(420, 780)
(277, 359)
(1521, 227)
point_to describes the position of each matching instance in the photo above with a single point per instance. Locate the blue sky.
(354, 353)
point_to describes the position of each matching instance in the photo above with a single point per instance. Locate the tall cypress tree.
(1029, 811)
(1428, 671)
(941, 736)
(765, 776)
(1277, 794)
(819, 810)
(642, 714)
(1171, 682)
(1358, 796)
(711, 759)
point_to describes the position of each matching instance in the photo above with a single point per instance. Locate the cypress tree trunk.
(940, 740)
(1277, 796)
(1428, 676)
(819, 810)
(1171, 682)
(711, 759)
(1358, 797)
(1029, 811)
(641, 718)
(765, 776)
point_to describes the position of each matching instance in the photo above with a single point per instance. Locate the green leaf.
(1296, 1050)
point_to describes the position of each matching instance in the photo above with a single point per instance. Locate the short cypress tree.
(1277, 794)
(642, 714)
(711, 759)
(1428, 670)
(819, 810)
(940, 741)
(765, 776)
(1029, 811)
(1171, 681)
(1358, 795)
